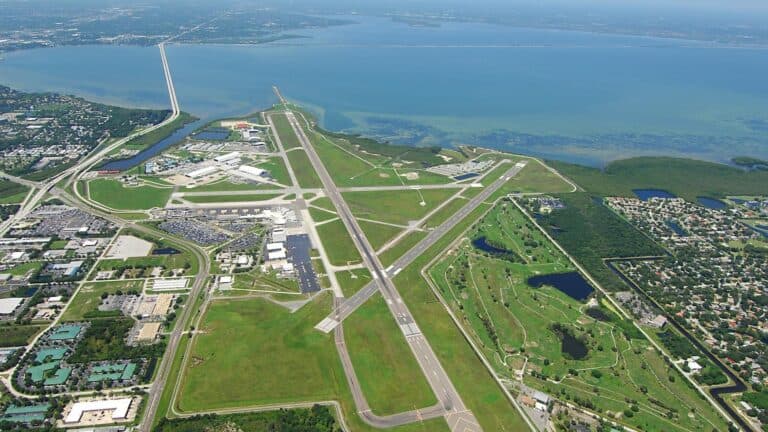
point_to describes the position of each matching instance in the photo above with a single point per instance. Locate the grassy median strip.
(391, 379)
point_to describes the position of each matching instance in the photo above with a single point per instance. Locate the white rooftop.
(8, 305)
(119, 408)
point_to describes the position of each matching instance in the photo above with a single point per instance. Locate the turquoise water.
(573, 96)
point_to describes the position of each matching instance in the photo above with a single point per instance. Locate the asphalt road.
(351, 304)
(455, 412)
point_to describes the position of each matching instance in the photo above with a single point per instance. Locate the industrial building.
(8, 306)
(202, 172)
(118, 408)
(227, 157)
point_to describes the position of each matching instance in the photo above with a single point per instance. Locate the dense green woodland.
(590, 232)
(316, 419)
(686, 178)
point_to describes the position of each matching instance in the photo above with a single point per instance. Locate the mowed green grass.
(280, 358)
(405, 244)
(113, 194)
(88, 298)
(535, 177)
(277, 170)
(337, 243)
(352, 281)
(391, 379)
(305, 172)
(378, 234)
(285, 131)
(397, 207)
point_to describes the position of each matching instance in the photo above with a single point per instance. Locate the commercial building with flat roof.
(9, 305)
(118, 407)
(169, 284)
(200, 172)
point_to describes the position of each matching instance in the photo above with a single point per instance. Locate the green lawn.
(23, 269)
(321, 215)
(401, 247)
(391, 379)
(12, 193)
(338, 245)
(398, 207)
(113, 194)
(378, 234)
(277, 169)
(444, 213)
(305, 172)
(12, 335)
(281, 359)
(88, 298)
(285, 131)
(535, 177)
(352, 280)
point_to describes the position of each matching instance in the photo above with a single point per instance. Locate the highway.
(346, 308)
(457, 415)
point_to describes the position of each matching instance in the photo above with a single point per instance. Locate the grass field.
(285, 131)
(321, 215)
(338, 245)
(401, 247)
(397, 207)
(378, 234)
(12, 193)
(277, 170)
(535, 177)
(282, 359)
(23, 269)
(391, 379)
(88, 298)
(513, 322)
(113, 194)
(18, 335)
(686, 178)
(169, 262)
(444, 213)
(305, 172)
(230, 198)
(352, 280)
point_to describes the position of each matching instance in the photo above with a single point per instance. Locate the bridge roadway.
(459, 418)
(346, 308)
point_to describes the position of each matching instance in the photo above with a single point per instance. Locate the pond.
(212, 134)
(711, 203)
(572, 347)
(482, 244)
(571, 283)
(646, 194)
(674, 226)
(165, 251)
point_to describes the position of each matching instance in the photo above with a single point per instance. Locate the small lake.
(157, 148)
(598, 314)
(646, 194)
(572, 347)
(482, 244)
(674, 226)
(572, 283)
(711, 203)
(165, 251)
(212, 134)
